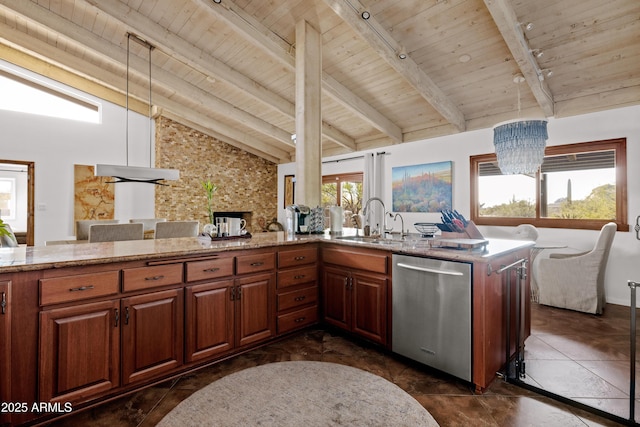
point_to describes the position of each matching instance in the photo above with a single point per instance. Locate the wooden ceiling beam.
(191, 55)
(507, 22)
(203, 62)
(172, 108)
(108, 52)
(272, 45)
(385, 46)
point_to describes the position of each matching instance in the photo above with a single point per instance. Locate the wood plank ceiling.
(227, 68)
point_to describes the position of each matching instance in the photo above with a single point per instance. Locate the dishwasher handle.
(430, 270)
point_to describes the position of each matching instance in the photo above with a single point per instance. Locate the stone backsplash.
(245, 181)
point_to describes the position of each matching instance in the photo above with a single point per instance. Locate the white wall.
(624, 261)
(56, 145)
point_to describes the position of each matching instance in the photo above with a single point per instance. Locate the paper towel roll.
(335, 213)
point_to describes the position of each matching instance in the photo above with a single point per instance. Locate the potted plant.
(210, 188)
(6, 231)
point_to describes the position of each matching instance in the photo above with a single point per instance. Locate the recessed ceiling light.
(366, 15)
(464, 58)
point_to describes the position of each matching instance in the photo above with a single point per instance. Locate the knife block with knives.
(456, 226)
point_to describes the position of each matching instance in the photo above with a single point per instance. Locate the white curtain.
(373, 186)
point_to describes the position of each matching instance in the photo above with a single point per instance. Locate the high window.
(26, 96)
(578, 186)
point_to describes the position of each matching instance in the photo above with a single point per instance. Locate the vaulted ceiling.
(227, 67)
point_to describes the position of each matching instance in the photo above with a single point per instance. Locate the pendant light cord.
(150, 48)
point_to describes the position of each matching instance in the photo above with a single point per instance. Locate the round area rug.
(300, 394)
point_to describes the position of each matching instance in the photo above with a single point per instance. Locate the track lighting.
(403, 53)
(537, 53)
(546, 73)
(217, 1)
(366, 15)
(528, 26)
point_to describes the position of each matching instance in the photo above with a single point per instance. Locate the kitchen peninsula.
(83, 323)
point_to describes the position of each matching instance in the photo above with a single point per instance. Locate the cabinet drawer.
(295, 257)
(375, 262)
(298, 298)
(297, 319)
(297, 276)
(73, 288)
(253, 263)
(134, 279)
(209, 269)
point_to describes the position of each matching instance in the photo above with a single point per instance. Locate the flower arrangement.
(210, 188)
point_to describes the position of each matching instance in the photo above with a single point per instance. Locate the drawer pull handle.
(300, 298)
(299, 276)
(117, 313)
(257, 264)
(154, 277)
(81, 288)
(300, 319)
(211, 270)
(3, 303)
(300, 258)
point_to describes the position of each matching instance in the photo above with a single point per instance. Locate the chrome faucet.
(384, 215)
(402, 233)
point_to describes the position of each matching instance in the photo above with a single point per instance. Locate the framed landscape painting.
(422, 188)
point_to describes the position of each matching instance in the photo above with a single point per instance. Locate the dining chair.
(82, 226)
(575, 280)
(149, 223)
(169, 229)
(115, 232)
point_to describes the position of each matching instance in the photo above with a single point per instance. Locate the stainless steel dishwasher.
(432, 313)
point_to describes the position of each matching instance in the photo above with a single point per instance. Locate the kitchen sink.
(369, 239)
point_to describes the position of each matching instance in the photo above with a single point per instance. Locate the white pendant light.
(520, 144)
(128, 173)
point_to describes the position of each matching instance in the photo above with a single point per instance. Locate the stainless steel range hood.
(136, 173)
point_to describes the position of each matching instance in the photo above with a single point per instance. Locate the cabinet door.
(5, 347)
(369, 305)
(79, 351)
(336, 297)
(255, 308)
(152, 334)
(209, 319)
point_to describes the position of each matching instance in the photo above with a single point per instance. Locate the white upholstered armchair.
(575, 280)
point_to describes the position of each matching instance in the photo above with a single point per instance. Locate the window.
(25, 96)
(578, 186)
(348, 186)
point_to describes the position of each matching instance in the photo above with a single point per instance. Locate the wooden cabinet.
(356, 300)
(79, 351)
(209, 319)
(297, 302)
(225, 314)
(255, 311)
(152, 334)
(5, 348)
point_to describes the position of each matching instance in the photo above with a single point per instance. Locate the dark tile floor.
(450, 401)
(582, 356)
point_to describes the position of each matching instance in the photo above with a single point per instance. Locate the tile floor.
(450, 401)
(583, 357)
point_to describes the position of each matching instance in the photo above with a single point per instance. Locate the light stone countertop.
(43, 257)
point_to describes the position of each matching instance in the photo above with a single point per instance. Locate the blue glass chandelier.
(520, 146)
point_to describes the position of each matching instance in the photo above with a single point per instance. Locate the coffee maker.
(300, 218)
